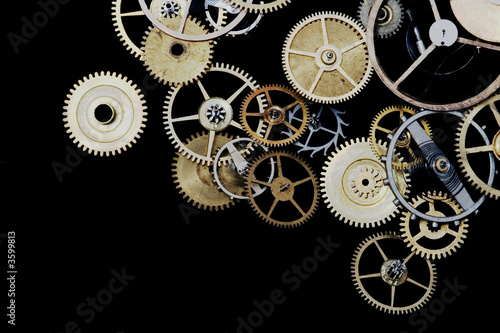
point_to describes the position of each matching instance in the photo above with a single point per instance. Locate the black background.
(124, 211)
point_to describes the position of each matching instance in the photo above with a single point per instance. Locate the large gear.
(105, 113)
(479, 17)
(259, 6)
(208, 105)
(292, 195)
(353, 185)
(434, 241)
(389, 20)
(174, 61)
(466, 150)
(383, 269)
(325, 57)
(266, 125)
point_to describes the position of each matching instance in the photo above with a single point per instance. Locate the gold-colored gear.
(353, 185)
(195, 181)
(387, 122)
(105, 113)
(279, 204)
(490, 105)
(380, 257)
(265, 125)
(174, 61)
(325, 57)
(258, 7)
(433, 242)
(480, 17)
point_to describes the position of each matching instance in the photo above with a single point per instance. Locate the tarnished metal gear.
(353, 185)
(104, 113)
(291, 197)
(381, 264)
(266, 124)
(325, 57)
(389, 20)
(259, 6)
(488, 114)
(480, 17)
(174, 61)
(385, 124)
(433, 240)
(195, 181)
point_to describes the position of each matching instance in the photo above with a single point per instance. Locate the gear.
(173, 61)
(325, 57)
(292, 195)
(385, 123)
(259, 6)
(434, 241)
(389, 20)
(489, 111)
(195, 181)
(105, 113)
(265, 125)
(381, 267)
(480, 18)
(201, 104)
(225, 9)
(353, 185)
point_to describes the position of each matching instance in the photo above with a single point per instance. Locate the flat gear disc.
(105, 113)
(259, 6)
(390, 19)
(325, 57)
(427, 240)
(480, 17)
(174, 61)
(353, 185)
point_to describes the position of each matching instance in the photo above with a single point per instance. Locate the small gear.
(259, 6)
(353, 185)
(389, 20)
(174, 61)
(325, 57)
(433, 240)
(488, 112)
(195, 180)
(384, 274)
(385, 124)
(292, 195)
(266, 125)
(105, 113)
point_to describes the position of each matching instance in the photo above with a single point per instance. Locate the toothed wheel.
(291, 197)
(259, 6)
(105, 113)
(173, 61)
(432, 240)
(267, 125)
(389, 20)
(353, 185)
(325, 57)
(388, 276)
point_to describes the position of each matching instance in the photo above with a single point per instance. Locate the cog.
(195, 181)
(381, 265)
(389, 20)
(265, 125)
(488, 108)
(217, 19)
(260, 6)
(174, 61)
(105, 113)
(353, 185)
(292, 195)
(325, 57)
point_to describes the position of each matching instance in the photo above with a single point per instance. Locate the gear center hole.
(104, 113)
(365, 182)
(177, 50)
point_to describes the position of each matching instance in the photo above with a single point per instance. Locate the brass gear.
(353, 185)
(294, 179)
(259, 6)
(380, 258)
(390, 19)
(480, 17)
(325, 57)
(438, 240)
(173, 61)
(195, 181)
(105, 113)
(386, 122)
(491, 105)
(266, 124)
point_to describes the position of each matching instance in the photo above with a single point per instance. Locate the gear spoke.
(382, 253)
(316, 80)
(186, 118)
(303, 53)
(478, 44)
(393, 294)
(290, 126)
(495, 112)
(347, 76)
(352, 46)
(237, 93)
(301, 211)
(415, 64)
(206, 96)
(418, 284)
(369, 276)
(135, 13)
(480, 149)
(302, 181)
(324, 31)
(273, 206)
(435, 10)
(210, 145)
(260, 182)
(408, 257)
